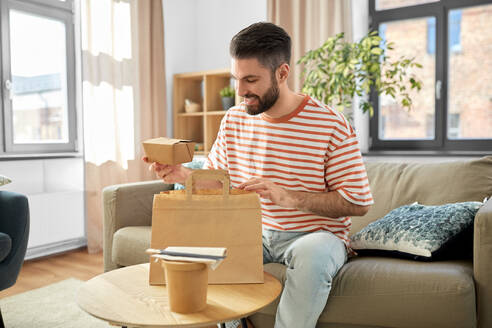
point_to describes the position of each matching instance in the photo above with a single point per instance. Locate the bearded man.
(302, 158)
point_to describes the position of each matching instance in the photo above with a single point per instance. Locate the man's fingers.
(264, 194)
(256, 186)
(248, 183)
(158, 166)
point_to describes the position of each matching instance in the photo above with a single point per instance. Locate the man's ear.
(283, 72)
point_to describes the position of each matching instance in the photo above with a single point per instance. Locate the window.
(451, 39)
(38, 77)
(454, 32)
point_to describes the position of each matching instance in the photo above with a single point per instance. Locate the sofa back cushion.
(397, 184)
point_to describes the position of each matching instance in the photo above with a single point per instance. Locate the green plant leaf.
(376, 51)
(338, 70)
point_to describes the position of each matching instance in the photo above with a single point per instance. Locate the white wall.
(360, 27)
(197, 35)
(55, 190)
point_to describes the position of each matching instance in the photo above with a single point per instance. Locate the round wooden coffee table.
(124, 297)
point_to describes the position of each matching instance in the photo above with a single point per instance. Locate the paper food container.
(187, 285)
(169, 151)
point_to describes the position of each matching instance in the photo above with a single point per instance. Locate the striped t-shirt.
(312, 149)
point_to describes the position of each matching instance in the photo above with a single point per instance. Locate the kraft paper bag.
(224, 217)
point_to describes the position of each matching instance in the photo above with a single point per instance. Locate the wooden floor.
(42, 272)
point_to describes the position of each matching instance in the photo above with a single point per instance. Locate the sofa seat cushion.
(129, 245)
(5, 245)
(390, 292)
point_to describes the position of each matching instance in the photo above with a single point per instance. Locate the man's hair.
(267, 42)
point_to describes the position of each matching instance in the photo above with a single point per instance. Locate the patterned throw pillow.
(420, 232)
(4, 180)
(196, 164)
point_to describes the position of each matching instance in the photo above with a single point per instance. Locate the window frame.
(440, 10)
(51, 9)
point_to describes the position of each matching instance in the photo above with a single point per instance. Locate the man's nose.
(241, 88)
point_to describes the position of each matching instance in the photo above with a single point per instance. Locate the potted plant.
(227, 93)
(338, 70)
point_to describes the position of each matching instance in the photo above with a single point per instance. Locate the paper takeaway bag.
(211, 218)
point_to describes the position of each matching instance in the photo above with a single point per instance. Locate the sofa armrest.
(482, 263)
(128, 204)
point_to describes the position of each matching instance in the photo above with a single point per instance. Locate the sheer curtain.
(123, 95)
(309, 23)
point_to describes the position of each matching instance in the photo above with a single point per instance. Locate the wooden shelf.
(191, 114)
(216, 112)
(203, 88)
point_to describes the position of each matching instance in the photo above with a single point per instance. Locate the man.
(302, 158)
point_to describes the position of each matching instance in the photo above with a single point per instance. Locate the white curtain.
(123, 95)
(110, 80)
(309, 23)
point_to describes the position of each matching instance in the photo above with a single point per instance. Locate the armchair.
(14, 233)
(127, 222)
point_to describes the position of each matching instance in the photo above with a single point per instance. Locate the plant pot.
(187, 285)
(227, 102)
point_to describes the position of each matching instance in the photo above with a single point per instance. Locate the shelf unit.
(203, 88)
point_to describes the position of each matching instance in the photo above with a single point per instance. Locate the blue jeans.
(312, 259)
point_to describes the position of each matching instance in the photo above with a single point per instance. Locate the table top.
(124, 297)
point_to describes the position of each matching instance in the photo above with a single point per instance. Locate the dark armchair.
(14, 233)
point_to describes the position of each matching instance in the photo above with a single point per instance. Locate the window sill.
(15, 157)
(425, 153)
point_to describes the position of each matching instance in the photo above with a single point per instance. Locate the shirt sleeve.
(345, 171)
(217, 158)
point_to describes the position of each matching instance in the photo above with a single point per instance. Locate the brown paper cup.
(187, 285)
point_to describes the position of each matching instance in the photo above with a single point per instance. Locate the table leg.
(2, 325)
(244, 324)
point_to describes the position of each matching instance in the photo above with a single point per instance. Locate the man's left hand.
(269, 190)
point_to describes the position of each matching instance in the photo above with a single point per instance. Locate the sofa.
(369, 291)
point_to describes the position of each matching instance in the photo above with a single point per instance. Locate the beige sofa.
(368, 291)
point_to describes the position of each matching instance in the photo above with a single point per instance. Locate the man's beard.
(264, 103)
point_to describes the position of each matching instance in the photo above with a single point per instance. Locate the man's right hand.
(169, 173)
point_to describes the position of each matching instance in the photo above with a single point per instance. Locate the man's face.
(256, 84)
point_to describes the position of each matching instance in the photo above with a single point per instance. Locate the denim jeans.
(312, 259)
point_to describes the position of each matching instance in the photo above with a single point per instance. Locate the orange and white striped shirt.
(312, 149)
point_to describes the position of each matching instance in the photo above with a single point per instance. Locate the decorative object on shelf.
(227, 93)
(338, 70)
(199, 146)
(192, 107)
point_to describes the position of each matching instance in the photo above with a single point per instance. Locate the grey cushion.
(5, 245)
(129, 245)
(389, 292)
(420, 232)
